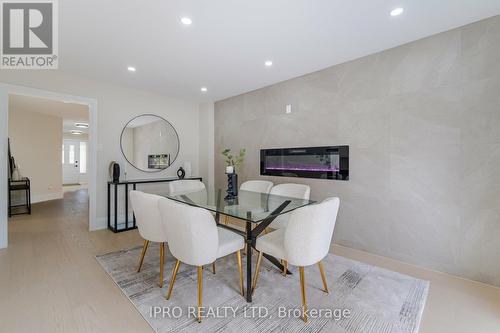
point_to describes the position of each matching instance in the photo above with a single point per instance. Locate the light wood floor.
(51, 282)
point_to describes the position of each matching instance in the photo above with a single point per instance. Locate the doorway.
(75, 162)
(91, 105)
(40, 131)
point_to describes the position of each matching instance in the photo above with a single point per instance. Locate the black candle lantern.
(232, 186)
(232, 178)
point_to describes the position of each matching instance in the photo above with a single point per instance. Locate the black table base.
(250, 239)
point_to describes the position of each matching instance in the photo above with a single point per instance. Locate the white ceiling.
(226, 46)
(70, 113)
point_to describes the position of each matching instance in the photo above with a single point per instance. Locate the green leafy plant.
(234, 160)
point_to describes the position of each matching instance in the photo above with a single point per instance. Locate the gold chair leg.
(213, 267)
(162, 261)
(172, 280)
(256, 274)
(240, 270)
(323, 277)
(303, 292)
(200, 291)
(144, 248)
(285, 267)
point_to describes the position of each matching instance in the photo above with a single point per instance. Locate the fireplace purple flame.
(304, 168)
(330, 162)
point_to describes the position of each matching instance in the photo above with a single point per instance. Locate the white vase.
(15, 175)
(229, 169)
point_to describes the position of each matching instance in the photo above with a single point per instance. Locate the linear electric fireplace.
(309, 162)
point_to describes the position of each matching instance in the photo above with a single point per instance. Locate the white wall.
(207, 144)
(127, 142)
(35, 143)
(4, 117)
(116, 106)
(81, 137)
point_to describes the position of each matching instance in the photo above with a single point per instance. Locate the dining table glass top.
(250, 206)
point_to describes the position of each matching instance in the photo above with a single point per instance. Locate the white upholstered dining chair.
(304, 242)
(195, 239)
(261, 186)
(183, 186)
(149, 223)
(298, 191)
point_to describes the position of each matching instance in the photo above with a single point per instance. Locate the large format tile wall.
(423, 124)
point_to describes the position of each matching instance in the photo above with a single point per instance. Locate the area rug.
(362, 298)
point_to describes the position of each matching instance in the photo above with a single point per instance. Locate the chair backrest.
(309, 232)
(261, 186)
(192, 233)
(298, 191)
(292, 190)
(147, 215)
(185, 186)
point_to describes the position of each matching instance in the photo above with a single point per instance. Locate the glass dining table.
(256, 210)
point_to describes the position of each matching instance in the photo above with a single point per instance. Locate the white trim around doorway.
(5, 90)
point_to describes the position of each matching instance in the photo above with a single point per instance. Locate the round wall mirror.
(149, 143)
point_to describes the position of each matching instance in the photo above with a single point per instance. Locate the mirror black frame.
(176, 134)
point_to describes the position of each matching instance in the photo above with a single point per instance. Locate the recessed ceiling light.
(186, 21)
(268, 63)
(397, 11)
(81, 125)
(204, 89)
(131, 69)
(76, 132)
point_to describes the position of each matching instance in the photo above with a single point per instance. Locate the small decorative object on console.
(181, 173)
(15, 174)
(114, 171)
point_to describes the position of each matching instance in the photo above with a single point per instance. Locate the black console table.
(129, 225)
(23, 184)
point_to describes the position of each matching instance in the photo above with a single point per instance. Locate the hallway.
(49, 273)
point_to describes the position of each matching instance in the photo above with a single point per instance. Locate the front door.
(71, 167)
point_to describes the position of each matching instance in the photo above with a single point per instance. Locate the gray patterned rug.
(362, 298)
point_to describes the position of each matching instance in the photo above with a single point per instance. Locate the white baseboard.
(102, 222)
(46, 197)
